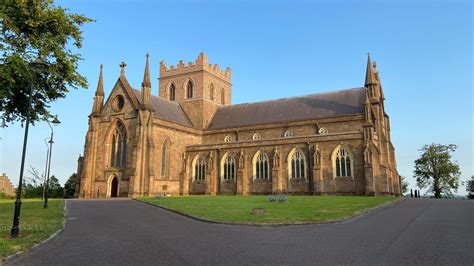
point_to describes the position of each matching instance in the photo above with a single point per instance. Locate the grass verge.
(297, 209)
(36, 223)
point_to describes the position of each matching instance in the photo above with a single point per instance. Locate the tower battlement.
(201, 63)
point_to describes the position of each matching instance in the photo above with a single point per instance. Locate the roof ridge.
(291, 97)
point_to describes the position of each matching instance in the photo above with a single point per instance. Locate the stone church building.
(190, 139)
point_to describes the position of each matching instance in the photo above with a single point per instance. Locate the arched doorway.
(114, 187)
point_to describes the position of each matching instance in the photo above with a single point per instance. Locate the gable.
(123, 88)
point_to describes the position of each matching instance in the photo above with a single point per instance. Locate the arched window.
(228, 138)
(211, 92)
(256, 136)
(323, 131)
(165, 156)
(189, 90)
(228, 170)
(222, 96)
(261, 166)
(288, 134)
(297, 163)
(342, 162)
(119, 146)
(199, 169)
(172, 92)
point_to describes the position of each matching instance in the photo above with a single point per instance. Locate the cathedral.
(191, 139)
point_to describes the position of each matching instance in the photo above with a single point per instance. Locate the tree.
(30, 29)
(55, 190)
(470, 188)
(33, 184)
(404, 185)
(70, 186)
(435, 169)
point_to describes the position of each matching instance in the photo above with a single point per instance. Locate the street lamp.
(45, 167)
(55, 122)
(39, 66)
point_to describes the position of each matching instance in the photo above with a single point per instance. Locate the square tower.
(199, 87)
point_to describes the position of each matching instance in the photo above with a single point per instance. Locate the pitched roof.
(343, 102)
(166, 110)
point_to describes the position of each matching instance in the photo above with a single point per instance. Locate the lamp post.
(45, 167)
(39, 66)
(55, 122)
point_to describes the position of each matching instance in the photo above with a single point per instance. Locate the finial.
(122, 70)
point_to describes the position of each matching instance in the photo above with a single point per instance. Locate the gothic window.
(172, 92)
(228, 138)
(118, 103)
(261, 166)
(211, 92)
(228, 168)
(342, 162)
(288, 134)
(222, 96)
(298, 164)
(189, 90)
(165, 156)
(199, 169)
(256, 136)
(119, 146)
(323, 131)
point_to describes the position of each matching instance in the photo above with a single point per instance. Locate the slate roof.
(336, 103)
(166, 110)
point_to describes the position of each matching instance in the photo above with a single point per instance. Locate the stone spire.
(100, 84)
(369, 73)
(99, 95)
(146, 77)
(146, 86)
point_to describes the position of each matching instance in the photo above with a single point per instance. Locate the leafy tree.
(55, 190)
(404, 185)
(70, 186)
(30, 29)
(435, 169)
(470, 188)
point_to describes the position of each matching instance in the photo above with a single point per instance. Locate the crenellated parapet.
(201, 63)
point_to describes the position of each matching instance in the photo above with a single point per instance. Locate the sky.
(278, 49)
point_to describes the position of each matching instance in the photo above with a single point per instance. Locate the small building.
(6, 186)
(191, 139)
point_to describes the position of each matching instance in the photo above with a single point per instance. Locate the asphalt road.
(125, 232)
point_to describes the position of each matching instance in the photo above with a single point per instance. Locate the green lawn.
(36, 223)
(296, 210)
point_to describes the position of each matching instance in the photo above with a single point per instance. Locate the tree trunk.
(436, 188)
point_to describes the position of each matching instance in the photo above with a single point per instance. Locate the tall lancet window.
(199, 169)
(298, 164)
(261, 166)
(342, 162)
(172, 92)
(189, 90)
(211, 92)
(119, 146)
(165, 158)
(228, 169)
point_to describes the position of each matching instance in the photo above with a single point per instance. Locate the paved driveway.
(125, 232)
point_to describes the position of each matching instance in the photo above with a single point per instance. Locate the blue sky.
(279, 49)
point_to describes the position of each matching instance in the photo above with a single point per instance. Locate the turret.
(370, 78)
(99, 95)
